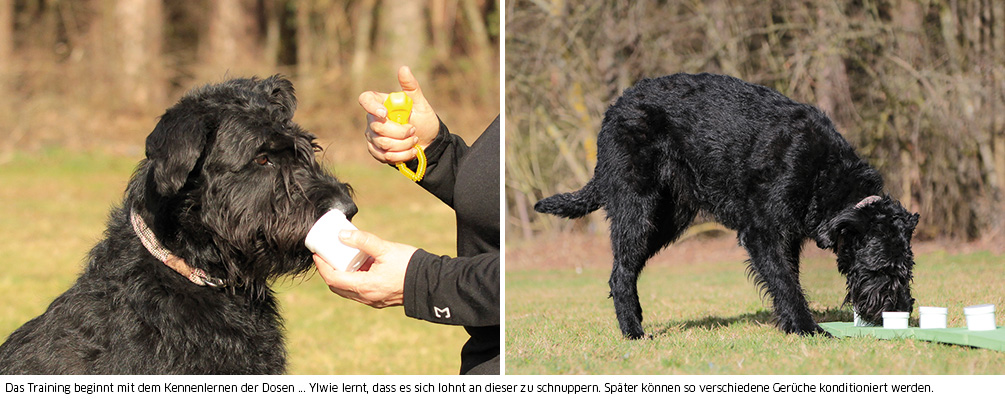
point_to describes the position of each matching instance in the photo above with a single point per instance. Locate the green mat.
(994, 340)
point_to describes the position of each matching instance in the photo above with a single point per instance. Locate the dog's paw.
(633, 333)
(814, 331)
(808, 328)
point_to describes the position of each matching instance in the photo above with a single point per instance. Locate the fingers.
(340, 283)
(353, 285)
(376, 118)
(373, 103)
(392, 143)
(389, 157)
(382, 283)
(389, 130)
(387, 141)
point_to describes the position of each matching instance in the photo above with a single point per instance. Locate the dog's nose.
(349, 209)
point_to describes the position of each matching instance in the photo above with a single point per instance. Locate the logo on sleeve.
(442, 312)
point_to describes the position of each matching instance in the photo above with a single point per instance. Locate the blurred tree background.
(917, 86)
(88, 74)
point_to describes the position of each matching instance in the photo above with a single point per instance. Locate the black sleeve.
(442, 157)
(453, 291)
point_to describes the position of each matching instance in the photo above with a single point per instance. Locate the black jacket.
(463, 290)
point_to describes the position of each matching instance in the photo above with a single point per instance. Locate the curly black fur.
(774, 170)
(231, 185)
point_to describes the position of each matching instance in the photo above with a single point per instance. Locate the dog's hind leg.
(641, 225)
(775, 265)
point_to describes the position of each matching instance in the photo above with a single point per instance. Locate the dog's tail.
(594, 194)
(574, 204)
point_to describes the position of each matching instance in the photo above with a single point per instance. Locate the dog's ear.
(849, 219)
(174, 147)
(282, 96)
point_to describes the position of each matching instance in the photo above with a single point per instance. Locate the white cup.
(980, 317)
(932, 317)
(859, 321)
(323, 240)
(895, 319)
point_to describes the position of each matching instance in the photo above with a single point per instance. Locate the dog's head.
(873, 244)
(232, 185)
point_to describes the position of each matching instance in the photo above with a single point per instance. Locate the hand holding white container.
(323, 240)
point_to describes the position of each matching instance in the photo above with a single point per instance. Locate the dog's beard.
(872, 293)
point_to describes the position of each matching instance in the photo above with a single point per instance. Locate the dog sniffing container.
(323, 240)
(895, 319)
(932, 317)
(980, 317)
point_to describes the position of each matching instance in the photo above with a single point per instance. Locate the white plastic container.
(895, 319)
(980, 317)
(932, 317)
(859, 321)
(323, 240)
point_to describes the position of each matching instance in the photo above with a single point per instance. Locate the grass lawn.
(53, 208)
(705, 317)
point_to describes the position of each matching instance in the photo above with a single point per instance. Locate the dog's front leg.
(775, 264)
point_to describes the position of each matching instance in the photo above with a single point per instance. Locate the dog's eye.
(263, 160)
(317, 148)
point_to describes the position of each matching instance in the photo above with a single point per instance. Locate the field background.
(706, 317)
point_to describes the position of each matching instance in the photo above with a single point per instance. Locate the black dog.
(774, 170)
(221, 205)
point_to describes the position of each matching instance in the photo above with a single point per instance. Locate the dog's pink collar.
(867, 201)
(178, 264)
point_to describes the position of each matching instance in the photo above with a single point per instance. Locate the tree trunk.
(362, 43)
(305, 48)
(331, 59)
(442, 16)
(832, 89)
(481, 51)
(6, 45)
(995, 12)
(139, 36)
(908, 18)
(403, 35)
(273, 12)
(231, 44)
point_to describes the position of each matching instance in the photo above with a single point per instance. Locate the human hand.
(389, 142)
(380, 286)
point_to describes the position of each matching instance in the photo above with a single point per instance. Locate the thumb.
(365, 241)
(409, 84)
